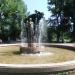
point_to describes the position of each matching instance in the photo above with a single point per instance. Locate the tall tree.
(69, 11)
(57, 8)
(11, 13)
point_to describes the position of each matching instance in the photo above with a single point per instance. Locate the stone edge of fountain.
(39, 68)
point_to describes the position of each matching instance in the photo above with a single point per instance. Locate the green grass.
(9, 55)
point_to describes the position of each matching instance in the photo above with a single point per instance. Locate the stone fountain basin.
(39, 68)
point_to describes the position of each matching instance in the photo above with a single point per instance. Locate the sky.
(39, 5)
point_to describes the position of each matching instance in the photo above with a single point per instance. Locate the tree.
(55, 6)
(11, 13)
(69, 11)
(59, 16)
(37, 15)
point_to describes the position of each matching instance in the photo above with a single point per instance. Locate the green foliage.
(62, 17)
(11, 13)
(36, 16)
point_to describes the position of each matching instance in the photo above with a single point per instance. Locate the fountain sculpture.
(31, 36)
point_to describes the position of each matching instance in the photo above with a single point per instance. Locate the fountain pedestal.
(32, 48)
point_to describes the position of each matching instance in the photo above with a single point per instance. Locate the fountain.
(53, 60)
(31, 36)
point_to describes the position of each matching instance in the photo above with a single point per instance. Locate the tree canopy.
(11, 13)
(62, 18)
(37, 15)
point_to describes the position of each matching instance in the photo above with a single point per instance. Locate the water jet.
(31, 36)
